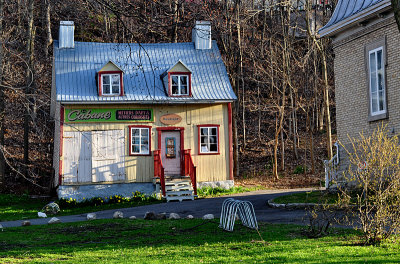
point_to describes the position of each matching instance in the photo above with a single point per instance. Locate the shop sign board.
(91, 115)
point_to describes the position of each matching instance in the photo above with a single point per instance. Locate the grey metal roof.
(76, 69)
(347, 9)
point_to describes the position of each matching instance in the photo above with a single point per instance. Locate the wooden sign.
(170, 119)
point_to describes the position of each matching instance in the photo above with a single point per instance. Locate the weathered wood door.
(108, 156)
(171, 152)
(77, 157)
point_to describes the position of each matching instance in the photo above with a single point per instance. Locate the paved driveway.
(198, 208)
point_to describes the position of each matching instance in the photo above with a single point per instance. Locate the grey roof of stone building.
(142, 64)
(349, 11)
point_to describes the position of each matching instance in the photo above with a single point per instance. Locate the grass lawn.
(207, 192)
(183, 241)
(18, 207)
(308, 197)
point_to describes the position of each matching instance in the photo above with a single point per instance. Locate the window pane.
(214, 131)
(372, 62)
(145, 141)
(144, 149)
(381, 101)
(115, 79)
(204, 149)
(374, 98)
(204, 131)
(380, 81)
(106, 89)
(204, 140)
(213, 147)
(135, 140)
(115, 89)
(174, 80)
(183, 80)
(106, 79)
(213, 139)
(145, 131)
(135, 149)
(379, 54)
(184, 90)
(135, 132)
(175, 89)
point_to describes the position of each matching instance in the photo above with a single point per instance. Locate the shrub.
(374, 172)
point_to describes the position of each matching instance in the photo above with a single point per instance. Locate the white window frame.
(179, 84)
(370, 79)
(208, 135)
(110, 75)
(131, 152)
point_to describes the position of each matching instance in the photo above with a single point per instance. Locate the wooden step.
(179, 195)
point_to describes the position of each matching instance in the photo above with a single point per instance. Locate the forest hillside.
(281, 72)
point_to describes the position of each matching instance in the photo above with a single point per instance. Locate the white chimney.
(66, 35)
(201, 35)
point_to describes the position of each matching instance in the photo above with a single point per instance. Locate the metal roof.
(76, 69)
(349, 11)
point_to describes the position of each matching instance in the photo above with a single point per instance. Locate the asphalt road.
(197, 208)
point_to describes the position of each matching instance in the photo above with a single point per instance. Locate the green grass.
(308, 197)
(18, 207)
(207, 192)
(183, 241)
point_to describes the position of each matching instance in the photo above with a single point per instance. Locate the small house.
(366, 44)
(141, 117)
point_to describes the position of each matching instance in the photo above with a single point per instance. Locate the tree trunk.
(2, 103)
(47, 24)
(175, 21)
(29, 83)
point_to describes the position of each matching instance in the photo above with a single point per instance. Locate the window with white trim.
(179, 85)
(140, 141)
(208, 139)
(377, 93)
(111, 84)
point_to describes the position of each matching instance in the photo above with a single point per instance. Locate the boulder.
(51, 208)
(41, 215)
(26, 223)
(132, 217)
(189, 217)
(54, 220)
(161, 216)
(150, 216)
(91, 216)
(118, 214)
(174, 216)
(208, 217)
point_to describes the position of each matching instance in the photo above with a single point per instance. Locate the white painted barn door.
(77, 157)
(108, 156)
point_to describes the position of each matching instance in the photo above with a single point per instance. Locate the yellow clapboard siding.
(140, 168)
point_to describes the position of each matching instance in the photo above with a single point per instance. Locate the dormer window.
(110, 80)
(178, 80)
(111, 84)
(179, 85)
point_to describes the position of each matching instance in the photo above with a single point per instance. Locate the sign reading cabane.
(107, 115)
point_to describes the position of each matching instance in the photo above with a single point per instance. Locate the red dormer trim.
(121, 82)
(189, 74)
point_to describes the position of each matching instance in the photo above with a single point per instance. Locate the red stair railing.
(190, 169)
(159, 169)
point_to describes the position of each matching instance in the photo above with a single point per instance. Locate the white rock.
(118, 214)
(208, 217)
(26, 223)
(54, 220)
(91, 216)
(189, 217)
(174, 216)
(132, 217)
(43, 215)
(1, 228)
